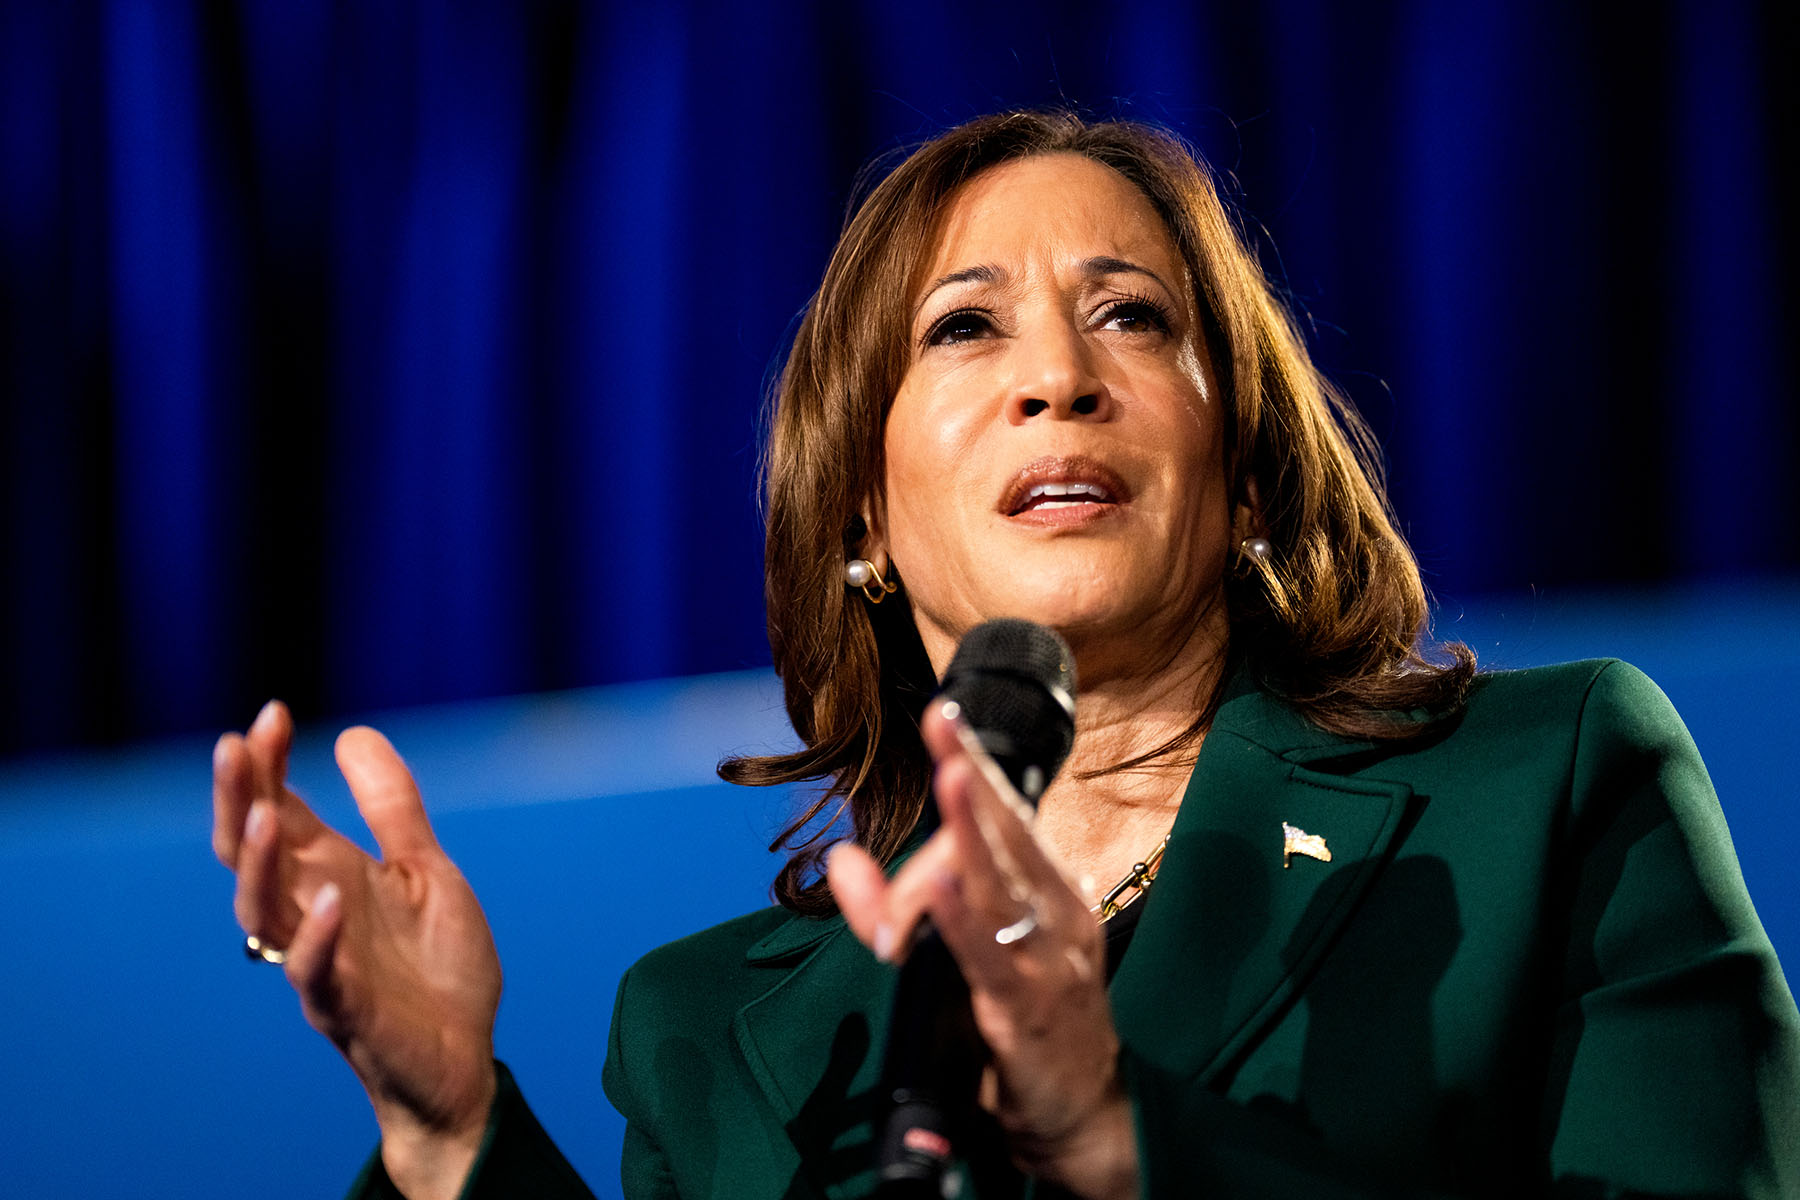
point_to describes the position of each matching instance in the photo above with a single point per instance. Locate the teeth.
(1090, 490)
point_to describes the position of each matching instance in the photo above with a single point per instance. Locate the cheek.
(1201, 402)
(931, 463)
(1203, 505)
(1194, 370)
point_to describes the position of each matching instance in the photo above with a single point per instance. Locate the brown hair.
(1334, 620)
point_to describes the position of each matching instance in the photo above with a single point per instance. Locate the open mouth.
(1062, 495)
(1049, 485)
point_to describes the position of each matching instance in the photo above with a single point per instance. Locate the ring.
(258, 950)
(1020, 929)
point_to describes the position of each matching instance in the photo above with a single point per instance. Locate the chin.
(1085, 607)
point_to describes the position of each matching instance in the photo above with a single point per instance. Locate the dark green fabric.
(1530, 967)
(517, 1158)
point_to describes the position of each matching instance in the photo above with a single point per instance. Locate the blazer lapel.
(813, 1043)
(1229, 934)
(1227, 938)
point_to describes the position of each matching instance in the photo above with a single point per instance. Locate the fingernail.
(264, 718)
(884, 942)
(325, 901)
(258, 822)
(219, 754)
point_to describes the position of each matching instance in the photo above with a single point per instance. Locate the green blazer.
(1529, 966)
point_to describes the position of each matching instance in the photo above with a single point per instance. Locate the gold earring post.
(861, 573)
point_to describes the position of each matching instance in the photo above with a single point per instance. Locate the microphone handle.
(931, 1073)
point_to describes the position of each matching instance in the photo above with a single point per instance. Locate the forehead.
(1060, 206)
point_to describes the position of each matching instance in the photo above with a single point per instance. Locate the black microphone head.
(1015, 681)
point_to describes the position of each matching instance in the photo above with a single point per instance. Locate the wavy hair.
(1334, 620)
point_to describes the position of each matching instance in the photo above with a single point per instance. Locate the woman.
(1414, 930)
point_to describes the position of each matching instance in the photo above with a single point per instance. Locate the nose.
(1054, 376)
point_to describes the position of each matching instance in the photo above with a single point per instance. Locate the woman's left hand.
(1039, 998)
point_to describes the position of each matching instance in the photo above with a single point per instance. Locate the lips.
(1047, 485)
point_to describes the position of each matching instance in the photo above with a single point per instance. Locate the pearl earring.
(1257, 548)
(861, 573)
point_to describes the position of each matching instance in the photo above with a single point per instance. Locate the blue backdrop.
(375, 353)
(146, 1057)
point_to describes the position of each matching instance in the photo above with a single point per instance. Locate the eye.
(1139, 314)
(963, 325)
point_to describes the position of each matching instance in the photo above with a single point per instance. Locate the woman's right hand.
(392, 959)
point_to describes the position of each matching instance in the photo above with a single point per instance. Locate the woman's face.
(1054, 451)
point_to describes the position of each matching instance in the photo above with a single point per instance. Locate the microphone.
(1015, 683)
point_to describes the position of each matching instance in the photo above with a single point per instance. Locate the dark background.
(372, 354)
(379, 354)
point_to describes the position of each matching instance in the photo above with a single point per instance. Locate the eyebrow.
(981, 274)
(1091, 268)
(1105, 264)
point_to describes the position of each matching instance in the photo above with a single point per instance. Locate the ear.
(871, 543)
(1247, 515)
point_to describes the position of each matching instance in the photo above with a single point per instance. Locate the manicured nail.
(220, 754)
(264, 718)
(884, 942)
(258, 822)
(325, 901)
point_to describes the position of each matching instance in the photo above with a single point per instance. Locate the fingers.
(989, 892)
(385, 794)
(997, 878)
(951, 738)
(268, 740)
(1024, 940)
(1002, 815)
(310, 958)
(259, 902)
(248, 767)
(882, 916)
(957, 877)
(968, 782)
(856, 883)
(232, 793)
(981, 872)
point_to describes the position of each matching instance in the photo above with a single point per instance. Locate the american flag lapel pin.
(1295, 840)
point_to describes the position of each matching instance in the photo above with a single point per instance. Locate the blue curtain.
(379, 353)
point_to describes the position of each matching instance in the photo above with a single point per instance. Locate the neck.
(1138, 689)
(1098, 820)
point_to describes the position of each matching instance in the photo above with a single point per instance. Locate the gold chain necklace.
(1137, 881)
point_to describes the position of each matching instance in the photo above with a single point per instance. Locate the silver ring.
(258, 950)
(1020, 929)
